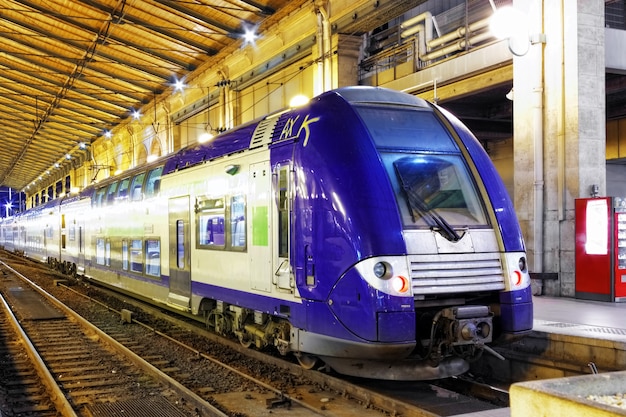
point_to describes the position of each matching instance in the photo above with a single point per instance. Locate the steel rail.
(57, 396)
(200, 404)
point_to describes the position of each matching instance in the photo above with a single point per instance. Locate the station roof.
(69, 70)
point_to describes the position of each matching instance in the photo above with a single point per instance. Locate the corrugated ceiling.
(71, 68)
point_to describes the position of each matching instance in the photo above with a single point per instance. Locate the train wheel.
(245, 339)
(306, 361)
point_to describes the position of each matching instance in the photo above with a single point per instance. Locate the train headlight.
(389, 274)
(400, 284)
(522, 264)
(383, 270)
(517, 267)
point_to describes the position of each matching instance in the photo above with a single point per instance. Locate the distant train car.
(367, 229)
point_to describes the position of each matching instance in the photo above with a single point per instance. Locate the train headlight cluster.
(387, 274)
(518, 271)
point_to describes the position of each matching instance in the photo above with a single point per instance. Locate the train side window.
(107, 252)
(238, 221)
(125, 255)
(110, 197)
(100, 251)
(211, 225)
(153, 257)
(136, 256)
(122, 191)
(100, 197)
(153, 182)
(180, 244)
(136, 187)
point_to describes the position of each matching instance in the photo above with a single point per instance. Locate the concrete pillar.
(559, 129)
(346, 60)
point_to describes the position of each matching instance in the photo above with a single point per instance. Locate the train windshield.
(435, 191)
(432, 183)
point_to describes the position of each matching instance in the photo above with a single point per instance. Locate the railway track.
(81, 371)
(279, 388)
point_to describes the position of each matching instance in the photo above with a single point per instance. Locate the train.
(367, 232)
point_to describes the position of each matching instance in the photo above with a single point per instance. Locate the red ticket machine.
(601, 249)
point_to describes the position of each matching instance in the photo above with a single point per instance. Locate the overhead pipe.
(424, 30)
(458, 46)
(459, 33)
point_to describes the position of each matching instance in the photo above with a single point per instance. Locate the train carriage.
(368, 229)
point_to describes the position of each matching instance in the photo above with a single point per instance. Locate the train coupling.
(467, 324)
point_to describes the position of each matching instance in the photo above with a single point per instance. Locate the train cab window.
(153, 182)
(110, 196)
(211, 227)
(153, 257)
(122, 191)
(238, 221)
(136, 187)
(435, 191)
(136, 256)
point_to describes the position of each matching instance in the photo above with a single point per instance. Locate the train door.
(259, 227)
(283, 278)
(180, 252)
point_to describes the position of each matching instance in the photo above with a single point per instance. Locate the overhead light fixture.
(249, 35)
(179, 85)
(107, 134)
(205, 137)
(136, 114)
(298, 100)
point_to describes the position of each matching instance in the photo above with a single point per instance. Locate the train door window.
(71, 233)
(211, 215)
(110, 197)
(136, 255)
(136, 187)
(153, 257)
(283, 212)
(180, 244)
(153, 182)
(62, 221)
(107, 252)
(100, 251)
(238, 222)
(125, 255)
(122, 192)
(63, 239)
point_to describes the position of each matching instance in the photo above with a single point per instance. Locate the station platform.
(584, 318)
(568, 335)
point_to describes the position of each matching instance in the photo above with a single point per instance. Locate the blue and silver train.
(367, 230)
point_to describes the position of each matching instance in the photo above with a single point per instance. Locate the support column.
(559, 130)
(346, 60)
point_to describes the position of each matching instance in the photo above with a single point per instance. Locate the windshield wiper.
(430, 216)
